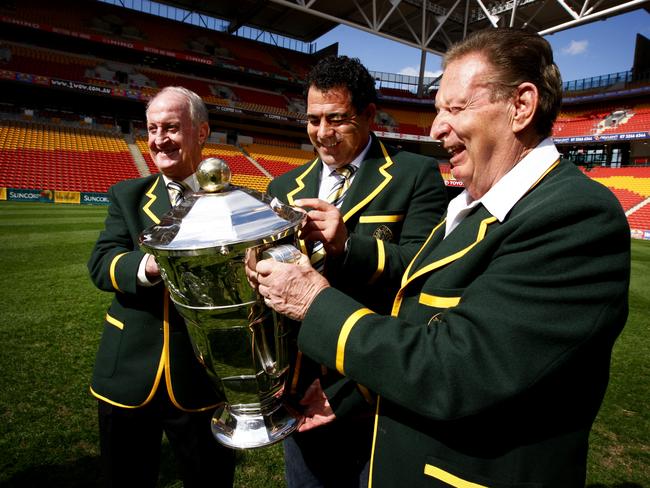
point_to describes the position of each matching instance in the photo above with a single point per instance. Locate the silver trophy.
(203, 247)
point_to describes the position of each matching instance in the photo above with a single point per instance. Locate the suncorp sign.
(24, 195)
(94, 199)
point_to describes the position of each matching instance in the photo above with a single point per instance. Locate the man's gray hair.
(198, 110)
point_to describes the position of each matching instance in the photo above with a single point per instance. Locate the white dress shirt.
(500, 199)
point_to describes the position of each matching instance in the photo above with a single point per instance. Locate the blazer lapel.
(155, 201)
(438, 252)
(373, 176)
(307, 183)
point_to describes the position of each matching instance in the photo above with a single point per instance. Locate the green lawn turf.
(50, 323)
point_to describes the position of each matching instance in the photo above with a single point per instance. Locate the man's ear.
(371, 110)
(204, 132)
(525, 101)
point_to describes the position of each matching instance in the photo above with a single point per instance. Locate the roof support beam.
(493, 19)
(333, 18)
(588, 18)
(440, 23)
(512, 15)
(568, 9)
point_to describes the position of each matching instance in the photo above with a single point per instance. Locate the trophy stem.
(245, 426)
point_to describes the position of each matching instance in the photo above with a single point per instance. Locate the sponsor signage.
(49, 196)
(640, 234)
(603, 138)
(94, 199)
(20, 195)
(454, 183)
(80, 86)
(67, 197)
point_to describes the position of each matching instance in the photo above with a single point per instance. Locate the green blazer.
(145, 341)
(394, 201)
(495, 360)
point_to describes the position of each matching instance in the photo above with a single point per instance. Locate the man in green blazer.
(393, 200)
(494, 361)
(146, 376)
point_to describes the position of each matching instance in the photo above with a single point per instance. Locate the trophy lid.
(219, 215)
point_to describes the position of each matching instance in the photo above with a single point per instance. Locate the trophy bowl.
(203, 247)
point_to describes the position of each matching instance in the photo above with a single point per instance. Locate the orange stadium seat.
(630, 185)
(278, 160)
(43, 156)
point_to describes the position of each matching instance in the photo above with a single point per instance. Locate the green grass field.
(50, 324)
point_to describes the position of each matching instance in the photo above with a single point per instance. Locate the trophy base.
(245, 427)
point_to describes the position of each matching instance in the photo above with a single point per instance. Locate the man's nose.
(324, 128)
(439, 128)
(160, 137)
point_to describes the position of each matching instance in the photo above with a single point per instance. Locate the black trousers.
(130, 443)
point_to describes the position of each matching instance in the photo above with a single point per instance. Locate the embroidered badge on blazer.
(383, 233)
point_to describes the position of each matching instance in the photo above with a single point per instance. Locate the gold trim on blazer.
(438, 302)
(152, 198)
(111, 271)
(380, 187)
(367, 396)
(165, 364)
(349, 323)
(113, 321)
(448, 478)
(378, 219)
(374, 441)
(408, 268)
(482, 230)
(301, 184)
(381, 261)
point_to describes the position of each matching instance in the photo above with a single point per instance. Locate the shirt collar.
(191, 182)
(500, 199)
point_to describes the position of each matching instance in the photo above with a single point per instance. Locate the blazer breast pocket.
(435, 303)
(109, 346)
(445, 474)
(385, 226)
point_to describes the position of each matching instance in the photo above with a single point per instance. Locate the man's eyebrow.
(330, 115)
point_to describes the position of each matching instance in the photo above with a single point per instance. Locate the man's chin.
(165, 163)
(331, 160)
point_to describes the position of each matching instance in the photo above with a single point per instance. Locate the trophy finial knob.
(213, 174)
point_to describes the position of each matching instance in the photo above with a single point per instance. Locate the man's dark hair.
(342, 71)
(517, 56)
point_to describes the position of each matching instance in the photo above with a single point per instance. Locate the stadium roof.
(429, 25)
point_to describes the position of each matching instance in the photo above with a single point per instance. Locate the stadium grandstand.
(75, 76)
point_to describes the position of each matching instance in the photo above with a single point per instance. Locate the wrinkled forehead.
(168, 103)
(464, 75)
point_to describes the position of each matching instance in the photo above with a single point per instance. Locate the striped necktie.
(335, 197)
(177, 192)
